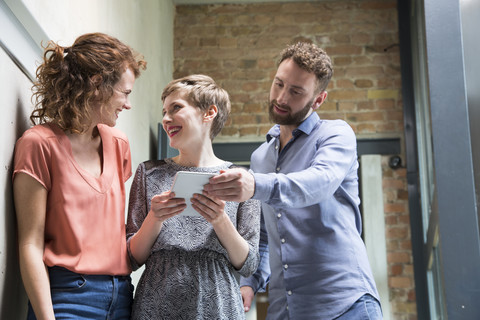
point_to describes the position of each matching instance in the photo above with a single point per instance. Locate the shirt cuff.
(263, 186)
(250, 282)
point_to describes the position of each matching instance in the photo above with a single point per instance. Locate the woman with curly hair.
(68, 182)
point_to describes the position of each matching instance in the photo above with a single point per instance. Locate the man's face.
(292, 95)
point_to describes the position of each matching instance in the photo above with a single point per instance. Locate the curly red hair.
(69, 77)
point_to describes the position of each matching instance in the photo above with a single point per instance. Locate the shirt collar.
(306, 127)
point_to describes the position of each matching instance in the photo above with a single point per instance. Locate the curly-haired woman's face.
(120, 99)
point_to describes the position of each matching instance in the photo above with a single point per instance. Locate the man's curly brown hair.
(69, 77)
(312, 59)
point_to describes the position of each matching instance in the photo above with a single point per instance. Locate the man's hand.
(247, 297)
(231, 185)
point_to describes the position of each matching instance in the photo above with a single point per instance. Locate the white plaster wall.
(374, 226)
(15, 101)
(145, 25)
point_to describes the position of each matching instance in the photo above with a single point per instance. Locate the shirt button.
(279, 215)
(278, 169)
(286, 266)
(289, 292)
(276, 147)
(287, 307)
(283, 240)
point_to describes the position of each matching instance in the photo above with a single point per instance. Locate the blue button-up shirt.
(310, 204)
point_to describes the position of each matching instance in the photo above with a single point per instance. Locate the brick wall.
(399, 246)
(238, 45)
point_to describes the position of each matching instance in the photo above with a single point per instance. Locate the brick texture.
(238, 45)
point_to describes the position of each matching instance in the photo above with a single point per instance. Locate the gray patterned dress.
(188, 274)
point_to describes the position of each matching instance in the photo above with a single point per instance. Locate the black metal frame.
(456, 200)
(411, 154)
(241, 151)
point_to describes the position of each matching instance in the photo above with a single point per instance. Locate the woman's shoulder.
(42, 130)
(156, 170)
(37, 134)
(113, 132)
(152, 164)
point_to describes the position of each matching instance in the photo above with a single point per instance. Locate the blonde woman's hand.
(165, 205)
(162, 207)
(211, 208)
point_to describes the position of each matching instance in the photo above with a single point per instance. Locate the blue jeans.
(80, 296)
(365, 308)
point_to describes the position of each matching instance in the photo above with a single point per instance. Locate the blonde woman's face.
(183, 122)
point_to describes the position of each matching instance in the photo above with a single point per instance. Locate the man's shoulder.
(336, 126)
(262, 147)
(334, 123)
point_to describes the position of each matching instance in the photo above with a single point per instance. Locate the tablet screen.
(185, 184)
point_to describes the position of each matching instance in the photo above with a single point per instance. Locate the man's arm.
(334, 159)
(258, 281)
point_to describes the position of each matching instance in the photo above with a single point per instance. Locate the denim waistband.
(62, 270)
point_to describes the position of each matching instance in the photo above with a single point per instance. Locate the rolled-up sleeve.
(258, 281)
(248, 226)
(137, 209)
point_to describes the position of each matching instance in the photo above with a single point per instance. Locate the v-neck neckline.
(101, 183)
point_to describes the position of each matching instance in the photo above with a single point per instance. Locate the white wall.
(374, 226)
(15, 101)
(145, 25)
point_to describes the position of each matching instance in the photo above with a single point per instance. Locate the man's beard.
(289, 118)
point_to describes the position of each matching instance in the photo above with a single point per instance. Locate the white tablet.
(185, 184)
